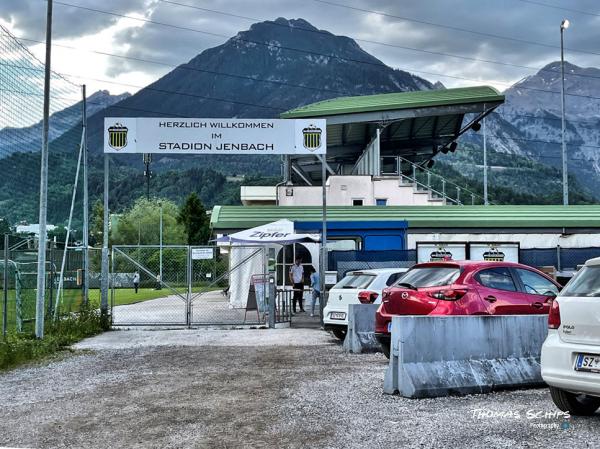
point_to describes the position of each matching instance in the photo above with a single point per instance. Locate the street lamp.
(563, 26)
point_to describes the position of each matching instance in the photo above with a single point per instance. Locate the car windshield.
(429, 276)
(586, 282)
(355, 280)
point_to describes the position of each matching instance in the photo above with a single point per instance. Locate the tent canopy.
(280, 232)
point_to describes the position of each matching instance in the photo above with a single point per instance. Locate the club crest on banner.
(117, 136)
(312, 137)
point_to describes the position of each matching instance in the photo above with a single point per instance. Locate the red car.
(464, 288)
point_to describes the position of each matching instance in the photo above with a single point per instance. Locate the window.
(430, 276)
(381, 202)
(586, 282)
(535, 284)
(393, 278)
(356, 280)
(497, 278)
(357, 202)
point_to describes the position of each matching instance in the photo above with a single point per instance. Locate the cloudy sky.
(458, 42)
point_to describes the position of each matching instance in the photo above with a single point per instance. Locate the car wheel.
(575, 404)
(339, 333)
(385, 348)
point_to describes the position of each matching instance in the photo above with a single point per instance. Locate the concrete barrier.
(439, 356)
(361, 329)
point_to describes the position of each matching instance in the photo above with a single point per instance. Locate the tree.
(192, 216)
(97, 223)
(141, 224)
(4, 227)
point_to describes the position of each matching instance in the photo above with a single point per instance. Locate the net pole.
(104, 279)
(64, 258)
(86, 204)
(5, 288)
(41, 266)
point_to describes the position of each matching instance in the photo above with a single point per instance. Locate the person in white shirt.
(136, 281)
(297, 279)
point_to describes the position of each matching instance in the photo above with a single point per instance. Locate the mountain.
(30, 138)
(223, 82)
(529, 123)
(272, 67)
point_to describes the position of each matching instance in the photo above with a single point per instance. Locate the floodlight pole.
(485, 166)
(563, 26)
(41, 267)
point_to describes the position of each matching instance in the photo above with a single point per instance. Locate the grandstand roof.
(413, 125)
(397, 101)
(447, 217)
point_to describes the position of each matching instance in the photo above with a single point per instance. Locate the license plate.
(390, 327)
(587, 362)
(338, 315)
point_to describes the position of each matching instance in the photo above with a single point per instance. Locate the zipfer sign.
(214, 136)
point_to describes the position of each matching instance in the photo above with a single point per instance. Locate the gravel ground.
(289, 388)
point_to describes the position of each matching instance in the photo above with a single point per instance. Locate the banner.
(440, 251)
(495, 252)
(214, 136)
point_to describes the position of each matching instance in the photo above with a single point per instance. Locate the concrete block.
(439, 356)
(361, 329)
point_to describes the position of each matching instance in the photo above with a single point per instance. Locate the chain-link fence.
(180, 285)
(21, 286)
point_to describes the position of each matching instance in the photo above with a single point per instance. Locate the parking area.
(286, 388)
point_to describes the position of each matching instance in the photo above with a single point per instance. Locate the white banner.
(214, 136)
(436, 252)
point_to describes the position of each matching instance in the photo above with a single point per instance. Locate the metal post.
(458, 195)
(147, 160)
(428, 179)
(323, 259)
(485, 166)
(104, 280)
(472, 199)
(41, 266)
(563, 25)
(444, 188)
(5, 287)
(160, 248)
(86, 205)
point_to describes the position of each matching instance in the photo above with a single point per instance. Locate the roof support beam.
(302, 174)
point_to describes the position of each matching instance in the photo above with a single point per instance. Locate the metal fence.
(193, 286)
(21, 286)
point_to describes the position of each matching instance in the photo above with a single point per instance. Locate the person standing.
(297, 280)
(315, 283)
(136, 281)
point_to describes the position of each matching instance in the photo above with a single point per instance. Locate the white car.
(363, 286)
(571, 352)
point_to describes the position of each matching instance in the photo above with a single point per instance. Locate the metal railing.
(427, 181)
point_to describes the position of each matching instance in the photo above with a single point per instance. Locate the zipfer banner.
(214, 136)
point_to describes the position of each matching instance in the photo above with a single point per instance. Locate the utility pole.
(41, 267)
(86, 205)
(104, 284)
(147, 173)
(563, 26)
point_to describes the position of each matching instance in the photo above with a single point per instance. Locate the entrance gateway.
(196, 280)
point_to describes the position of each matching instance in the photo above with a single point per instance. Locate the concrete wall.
(342, 190)
(361, 329)
(440, 356)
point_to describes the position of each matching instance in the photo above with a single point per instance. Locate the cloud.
(381, 35)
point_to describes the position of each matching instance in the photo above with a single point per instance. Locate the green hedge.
(20, 348)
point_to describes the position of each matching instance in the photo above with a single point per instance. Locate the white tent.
(248, 261)
(280, 232)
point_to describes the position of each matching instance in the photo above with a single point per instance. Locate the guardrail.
(426, 180)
